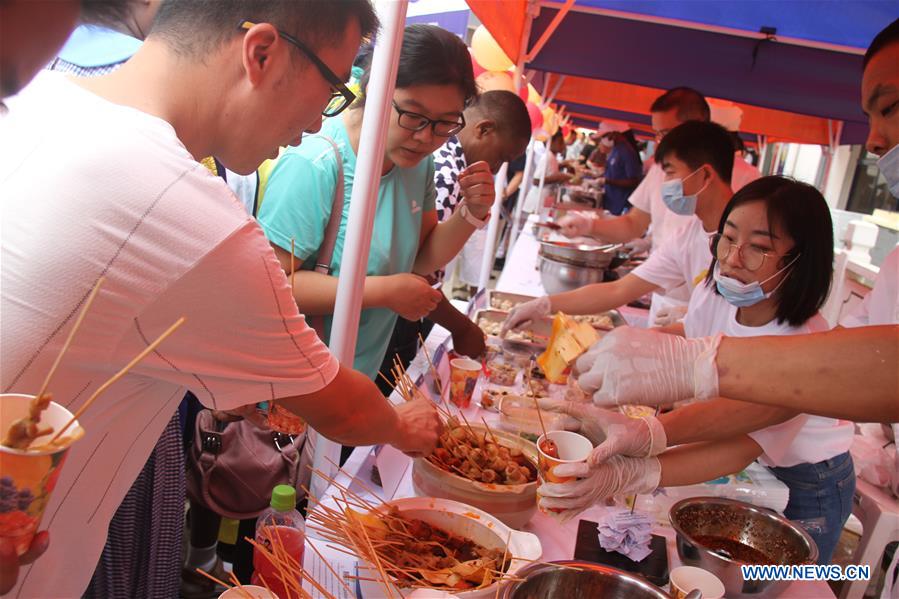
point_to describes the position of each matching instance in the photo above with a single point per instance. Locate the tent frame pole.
(364, 199)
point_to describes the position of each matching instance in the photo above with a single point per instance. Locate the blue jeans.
(820, 499)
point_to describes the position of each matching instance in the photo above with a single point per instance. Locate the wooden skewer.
(490, 432)
(333, 571)
(503, 563)
(527, 387)
(119, 375)
(65, 346)
(237, 585)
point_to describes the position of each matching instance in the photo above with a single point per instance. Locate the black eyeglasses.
(341, 96)
(416, 122)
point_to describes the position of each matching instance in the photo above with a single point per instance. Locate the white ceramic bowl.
(465, 521)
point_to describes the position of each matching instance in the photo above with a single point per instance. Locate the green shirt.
(298, 200)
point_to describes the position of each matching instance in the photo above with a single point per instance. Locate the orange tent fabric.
(505, 20)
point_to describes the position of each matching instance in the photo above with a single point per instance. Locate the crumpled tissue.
(626, 533)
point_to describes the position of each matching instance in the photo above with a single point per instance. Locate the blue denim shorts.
(820, 499)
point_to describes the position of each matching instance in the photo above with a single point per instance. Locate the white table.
(558, 540)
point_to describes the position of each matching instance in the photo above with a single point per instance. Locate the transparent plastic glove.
(641, 245)
(612, 433)
(641, 366)
(575, 224)
(669, 315)
(617, 475)
(526, 312)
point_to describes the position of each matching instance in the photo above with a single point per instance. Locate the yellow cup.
(464, 373)
(28, 476)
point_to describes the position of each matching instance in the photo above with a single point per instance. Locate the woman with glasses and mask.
(770, 274)
(434, 83)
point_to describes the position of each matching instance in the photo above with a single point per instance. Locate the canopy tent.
(799, 57)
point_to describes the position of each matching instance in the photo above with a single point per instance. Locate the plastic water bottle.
(280, 525)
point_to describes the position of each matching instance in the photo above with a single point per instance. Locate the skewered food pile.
(479, 457)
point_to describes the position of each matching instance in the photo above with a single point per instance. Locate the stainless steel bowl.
(580, 254)
(542, 581)
(781, 541)
(558, 277)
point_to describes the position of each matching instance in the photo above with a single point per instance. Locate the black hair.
(800, 211)
(194, 27)
(558, 135)
(691, 105)
(109, 13)
(698, 142)
(507, 110)
(739, 146)
(430, 55)
(888, 35)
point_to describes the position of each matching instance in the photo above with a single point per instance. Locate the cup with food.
(464, 374)
(31, 461)
(560, 447)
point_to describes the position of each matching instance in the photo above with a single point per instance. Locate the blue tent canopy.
(810, 65)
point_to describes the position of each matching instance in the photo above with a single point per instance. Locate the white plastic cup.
(684, 579)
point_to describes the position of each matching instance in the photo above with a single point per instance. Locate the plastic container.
(280, 525)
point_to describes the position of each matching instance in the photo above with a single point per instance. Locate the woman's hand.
(469, 340)
(476, 185)
(418, 428)
(10, 560)
(410, 295)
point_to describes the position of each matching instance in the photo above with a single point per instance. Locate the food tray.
(533, 337)
(614, 316)
(495, 297)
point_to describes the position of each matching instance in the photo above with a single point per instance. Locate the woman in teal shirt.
(434, 83)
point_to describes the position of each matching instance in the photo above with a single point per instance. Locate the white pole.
(499, 185)
(363, 202)
(523, 190)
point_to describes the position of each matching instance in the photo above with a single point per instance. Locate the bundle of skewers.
(473, 453)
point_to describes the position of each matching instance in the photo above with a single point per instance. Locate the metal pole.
(370, 160)
(523, 190)
(499, 185)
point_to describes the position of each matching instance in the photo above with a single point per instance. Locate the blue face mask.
(889, 167)
(674, 198)
(743, 295)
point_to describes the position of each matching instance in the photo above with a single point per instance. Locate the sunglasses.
(341, 96)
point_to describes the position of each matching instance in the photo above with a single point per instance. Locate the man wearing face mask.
(846, 362)
(697, 159)
(623, 167)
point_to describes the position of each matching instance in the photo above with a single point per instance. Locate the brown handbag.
(233, 466)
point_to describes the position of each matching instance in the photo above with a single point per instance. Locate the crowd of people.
(116, 156)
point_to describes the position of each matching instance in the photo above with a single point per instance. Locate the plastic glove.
(618, 475)
(641, 366)
(669, 315)
(526, 312)
(575, 224)
(641, 245)
(612, 433)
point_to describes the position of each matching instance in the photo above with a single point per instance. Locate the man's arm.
(468, 339)
(843, 373)
(621, 229)
(351, 411)
(600, 297)
(719, 420)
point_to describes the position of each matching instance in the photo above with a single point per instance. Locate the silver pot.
(558, 277)
(590, 580)
(781, 541)
(580, 254)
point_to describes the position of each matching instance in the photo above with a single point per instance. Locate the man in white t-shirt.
(100, 180)
(696, 158)
(669, 110)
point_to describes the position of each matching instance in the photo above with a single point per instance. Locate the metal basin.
(542, 581)
(707, 527)
(558, 277)
(580, 254)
